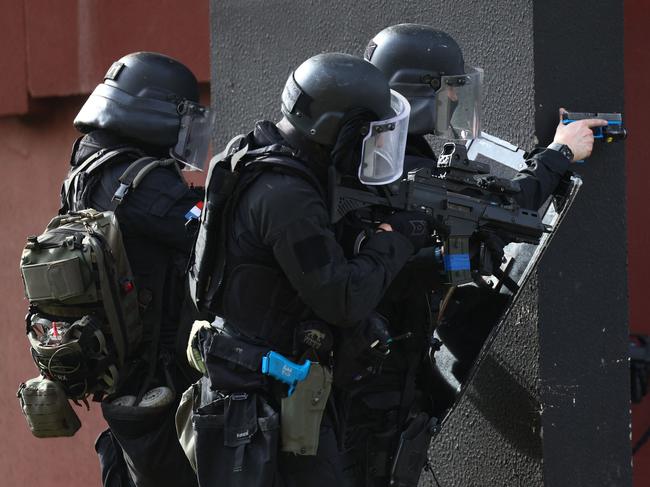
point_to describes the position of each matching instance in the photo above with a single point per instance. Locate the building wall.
(583, 305)
(637, 106)
(255, 57)
(62, 48)
(35, 152)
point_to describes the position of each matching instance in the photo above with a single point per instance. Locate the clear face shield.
(458, 103)
(382, 152)
(194, 135)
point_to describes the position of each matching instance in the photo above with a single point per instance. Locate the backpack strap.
(92, 163)
(224, 154)
(129, 180)
(136, 172)
(170, 163)
(273, 149)
(274, 156)
(221, 183)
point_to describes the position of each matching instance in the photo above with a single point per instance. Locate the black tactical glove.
(414, 225)
(376, 335)
(361, 351)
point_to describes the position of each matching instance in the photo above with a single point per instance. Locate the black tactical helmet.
(414, 58)
(140, 99)
(326, 87)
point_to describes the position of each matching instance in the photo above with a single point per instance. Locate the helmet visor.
(194, 134)
(458, 103)
(382, 152)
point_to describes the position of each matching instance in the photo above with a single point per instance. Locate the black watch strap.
(562, 149)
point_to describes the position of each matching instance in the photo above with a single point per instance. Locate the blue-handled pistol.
(284, 370)
(612, 132)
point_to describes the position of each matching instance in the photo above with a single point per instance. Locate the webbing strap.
(238, 463)
(150, 167)
(109, 155)
(127, 177)
(279, 155)
(93, 162)
(137, 171)
(273, 149)
(223, 155)
(237, 156)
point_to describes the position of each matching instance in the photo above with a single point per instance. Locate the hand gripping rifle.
(463, 199)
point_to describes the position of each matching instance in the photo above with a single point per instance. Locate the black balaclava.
(91, 142)
(346, 153)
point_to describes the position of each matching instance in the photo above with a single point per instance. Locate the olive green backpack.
(84, 323)
(83, 320)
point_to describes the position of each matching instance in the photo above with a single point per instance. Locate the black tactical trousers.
(142, 450)
(321, 470)
(237, 445)
(111, 461)
(371, 439)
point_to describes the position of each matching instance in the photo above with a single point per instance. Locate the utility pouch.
(81, 361)
(240, 424)
(46, 408)
(184, 429)
(411, 455)
(302, 412)
(198, 399)
(233, 364)
(236, 439)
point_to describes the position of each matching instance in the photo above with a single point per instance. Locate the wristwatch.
(562, 149)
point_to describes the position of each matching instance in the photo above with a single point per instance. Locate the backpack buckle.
(120, 193)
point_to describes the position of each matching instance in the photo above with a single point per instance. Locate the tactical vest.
(218, 273)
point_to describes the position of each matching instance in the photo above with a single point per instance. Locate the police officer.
(146, 110)
(284, 267)
(427, 67)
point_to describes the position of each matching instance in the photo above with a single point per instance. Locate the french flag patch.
(195, 212)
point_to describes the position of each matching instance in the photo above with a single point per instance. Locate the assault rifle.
(463, 199)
